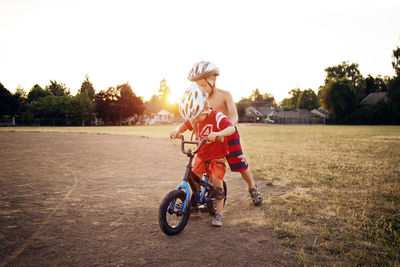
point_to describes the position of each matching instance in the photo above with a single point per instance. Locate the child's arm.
(232, 115)
(214, 136)
(178, 130)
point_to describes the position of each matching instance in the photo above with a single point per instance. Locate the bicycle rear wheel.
(169, 218)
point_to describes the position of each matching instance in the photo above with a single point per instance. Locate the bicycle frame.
(191, 176)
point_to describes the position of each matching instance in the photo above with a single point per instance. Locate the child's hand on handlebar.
(175, 134)
(215, 137)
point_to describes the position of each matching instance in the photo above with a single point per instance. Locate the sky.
(274, 46)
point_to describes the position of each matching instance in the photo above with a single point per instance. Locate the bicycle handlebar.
(190, 152)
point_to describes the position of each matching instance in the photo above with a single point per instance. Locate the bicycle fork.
(185, 186)
(188, 186)
(198, 197)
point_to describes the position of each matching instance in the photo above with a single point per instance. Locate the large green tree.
(393, 88)
(101, 104)
(292, 101)
(394, 99)
(21, 92)
(373, 85)
(53, 105)
(349, 72)
(307, 100)
(242, 105)
(5, 97)
(53, 109)
(87, 88)
(286, 103)
(83, 107)
(57, 89)
(83, 103)
(117, 104)
(10, 104)
(129, 104)
(36, 92)
(396, 61)
(106, 104)
(338, 98)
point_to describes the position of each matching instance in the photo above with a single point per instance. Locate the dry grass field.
(345, 203)
(344, 206)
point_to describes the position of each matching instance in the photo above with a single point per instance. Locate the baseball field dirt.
(71, 199)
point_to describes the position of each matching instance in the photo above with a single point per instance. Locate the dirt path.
(92, 200)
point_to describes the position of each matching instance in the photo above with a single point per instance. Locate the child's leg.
(217, 173)
(196, 184)
(237, 163)
(219, 195)
(198, 169)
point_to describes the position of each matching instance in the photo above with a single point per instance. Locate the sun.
(173, 99)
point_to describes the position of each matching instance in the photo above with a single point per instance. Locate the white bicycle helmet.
(193, 102)
(202, 70)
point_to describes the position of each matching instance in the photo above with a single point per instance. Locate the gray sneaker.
(256, 196)
(217, 220)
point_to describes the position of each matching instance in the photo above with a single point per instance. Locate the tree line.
(343, 90)
(55, 105)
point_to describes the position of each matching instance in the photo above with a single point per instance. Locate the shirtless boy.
(205, 73)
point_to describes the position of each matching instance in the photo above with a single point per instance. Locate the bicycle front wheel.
(170, 219)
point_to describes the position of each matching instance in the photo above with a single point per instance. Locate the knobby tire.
(168, 229)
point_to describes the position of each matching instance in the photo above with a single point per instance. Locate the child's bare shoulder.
(224, 93)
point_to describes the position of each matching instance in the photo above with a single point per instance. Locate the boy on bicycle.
(214, 126)
(205, 73)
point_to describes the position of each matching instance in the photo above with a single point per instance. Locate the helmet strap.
(211, 86)
(194, 126)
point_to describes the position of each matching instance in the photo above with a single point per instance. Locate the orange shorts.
(216, 167)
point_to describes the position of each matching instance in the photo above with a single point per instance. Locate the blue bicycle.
(174, 211)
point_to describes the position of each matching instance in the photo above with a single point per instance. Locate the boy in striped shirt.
(204, 73)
